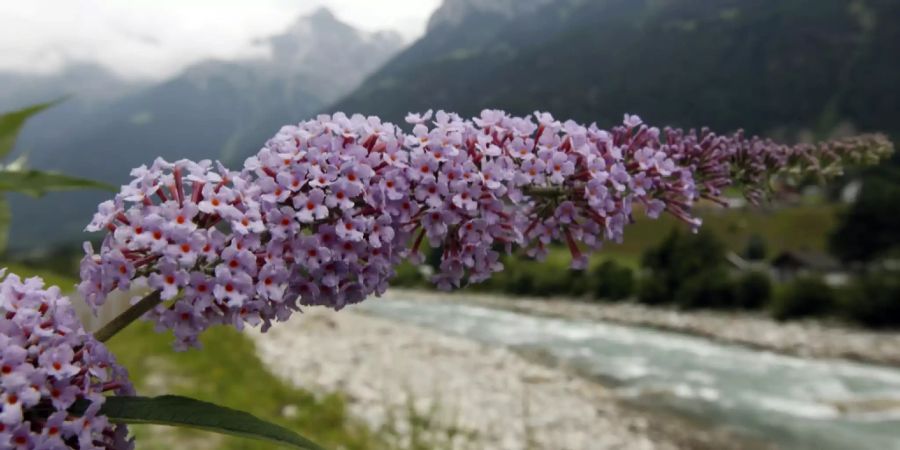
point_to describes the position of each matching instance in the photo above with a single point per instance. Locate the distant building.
(791, 264)
(850, 192)
(742, 264)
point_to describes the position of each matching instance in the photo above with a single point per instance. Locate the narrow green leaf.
(5, 218)
(174, 410)
(11, 123)
(37, 183)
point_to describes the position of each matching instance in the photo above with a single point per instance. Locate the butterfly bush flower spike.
(47, 364)
(328, 208)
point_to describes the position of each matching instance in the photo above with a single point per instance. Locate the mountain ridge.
(777, 68)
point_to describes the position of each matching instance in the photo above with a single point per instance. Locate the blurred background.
(774, 327)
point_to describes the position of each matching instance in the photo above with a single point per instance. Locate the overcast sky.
(151, 39)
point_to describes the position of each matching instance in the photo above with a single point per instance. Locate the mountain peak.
(320, 15)
(319, 21)
(319, 46)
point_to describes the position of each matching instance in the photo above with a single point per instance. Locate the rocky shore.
(453, 393)
(802, 338)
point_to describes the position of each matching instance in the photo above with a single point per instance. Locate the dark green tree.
(870, 227)
(804, 297)
(612, 281)
(753, 290)
(756, 248)
(874, 300)
(689, 270)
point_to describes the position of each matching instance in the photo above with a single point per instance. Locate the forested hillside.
(768, 66)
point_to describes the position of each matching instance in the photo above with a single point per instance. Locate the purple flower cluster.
(48, 363)
(324, 213)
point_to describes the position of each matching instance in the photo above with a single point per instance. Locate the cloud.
(152, 39)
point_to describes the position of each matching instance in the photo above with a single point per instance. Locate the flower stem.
(129, 315)
(550, 192)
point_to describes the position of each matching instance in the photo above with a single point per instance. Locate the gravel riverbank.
(802, 338)
(473, 396)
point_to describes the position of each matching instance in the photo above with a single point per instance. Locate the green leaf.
(11, 123)
(5, 218)
(37, 183)
(187, 412)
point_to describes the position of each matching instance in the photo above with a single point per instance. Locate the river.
(792, 402)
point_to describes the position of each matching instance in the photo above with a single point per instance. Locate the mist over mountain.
(214, 109)
(774, 67)
(92, 84)
(86, 88)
